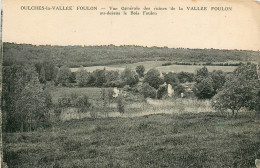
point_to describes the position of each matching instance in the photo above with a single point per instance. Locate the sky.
(238, 29)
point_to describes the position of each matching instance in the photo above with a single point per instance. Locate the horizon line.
(122, 45)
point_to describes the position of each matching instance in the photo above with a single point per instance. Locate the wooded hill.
(75, 56)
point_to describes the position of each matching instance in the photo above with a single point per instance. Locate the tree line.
(76, 56)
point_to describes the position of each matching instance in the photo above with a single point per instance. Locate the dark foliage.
(171, 78)
(148, 91)
(140, 70)
(76, 56)
(162, 91)
(153, 78)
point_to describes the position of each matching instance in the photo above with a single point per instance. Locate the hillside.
(75, 56)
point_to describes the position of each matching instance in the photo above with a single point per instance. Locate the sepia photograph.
(98, 83)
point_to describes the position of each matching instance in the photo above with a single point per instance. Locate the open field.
(158, 65)
(165, 140)
(193, 68)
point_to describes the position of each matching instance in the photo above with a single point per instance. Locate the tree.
(218, 78)
(100, 77)
(20, 97)
(112, 77)
(234, 95)
(83, 103)
(185, 77)
(129, 77)
(31, 105)
(72, 78)
(204, 89)
(241, 89)
(179, 89)
(50, 70)
(63, 76)
(82, 77)
(148, 91)
(120, 105)
(201, 74)
(152, 77)
(140, 70)
(162, 91)
(171, 78)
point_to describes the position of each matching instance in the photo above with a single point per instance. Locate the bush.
(148, 91)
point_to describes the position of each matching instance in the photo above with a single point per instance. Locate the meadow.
(206, 139)
(158, 65)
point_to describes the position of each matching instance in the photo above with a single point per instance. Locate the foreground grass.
(178, 140)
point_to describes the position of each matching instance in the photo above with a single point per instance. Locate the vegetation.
(153, 78)
(140, 70)
(25, 103)
(241, 89)
(165, 140)
(148, 91)
(76, 56)
(39, 95)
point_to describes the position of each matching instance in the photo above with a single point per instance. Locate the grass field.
(164, 140)
(158, 65)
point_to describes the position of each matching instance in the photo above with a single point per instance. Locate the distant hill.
(75, 56)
